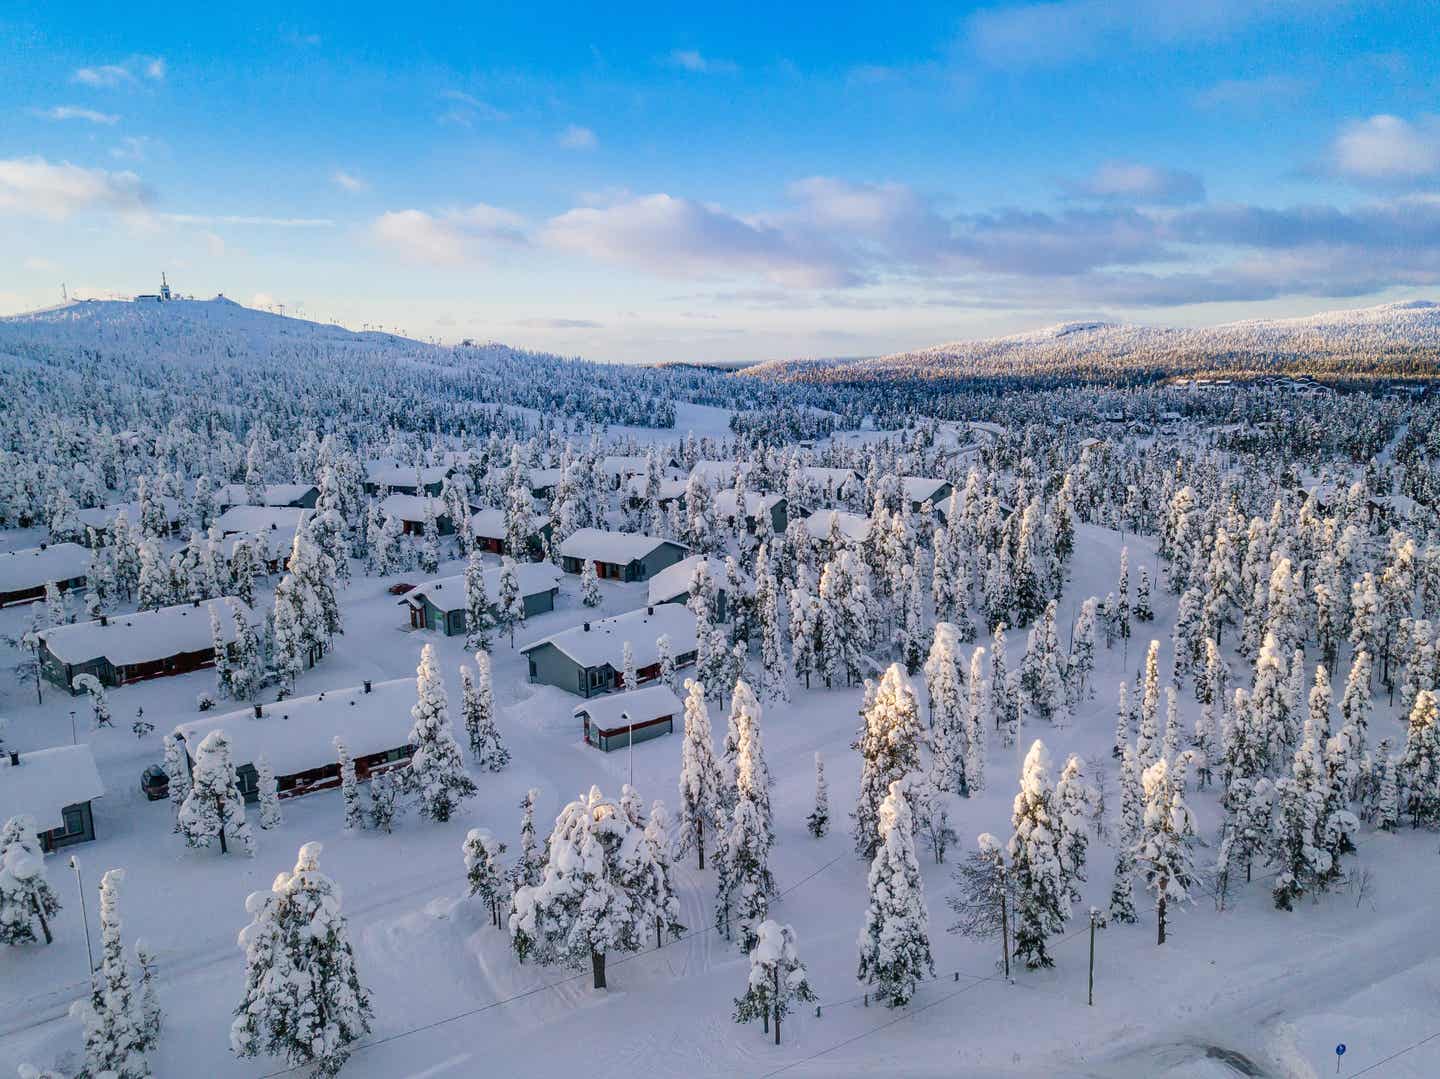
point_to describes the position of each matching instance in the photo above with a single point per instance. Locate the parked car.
(154, 783)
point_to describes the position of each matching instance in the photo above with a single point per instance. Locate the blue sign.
(1340, 1050)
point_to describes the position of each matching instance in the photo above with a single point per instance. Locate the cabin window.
(74, 818)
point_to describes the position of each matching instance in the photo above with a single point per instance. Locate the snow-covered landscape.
(1215, 686)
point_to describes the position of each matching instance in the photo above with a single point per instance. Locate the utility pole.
(1093, 918)
(1005, 916)
(84, 915)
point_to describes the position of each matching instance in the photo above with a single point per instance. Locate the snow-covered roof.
(755, 502)
(489, 523)
(622, 466)
(299, 733)
(274, 494)
(615, 711)
(389, 474)
(675, 580)
(102, 517)
(670, 487)
(720, 473)
(273, 519)
(544, 477)
(604, 641)
(34, 567)
(448, 593)
(411, 507)
(921, 488)
(128, 639)
(46, 781)
(618, 548)
(852, 525)
(837, 477)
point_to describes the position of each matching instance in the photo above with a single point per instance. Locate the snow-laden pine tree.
(977, 722)
(895, 938)
(477, 706)
(1387, 789)
(742, 858)
(1313, 824)
(1075, 802)
(436, 775)
(662, 903)
(152, 1018)
(1418, 769)
(177, 772)
(25, 893)
(509, 604)
(1355, 716)
(700, 778)
(384, 799)
(484, 872)
(268, 794)
(590, 903)
(778, 980)
(479, 616)
(889, 746)
(213, 808)
(589, 585)
(1004, 691)
(1127, 834)
(116, 1034)
(303, 1000)
(349, 788)
(1042, 901)
(818, 822)
(530, 862)
(944, 679)
(1148, 737)
(1167, 834)
(1122, 722)
(666, 653)
(1082, 654)
(1040, 675)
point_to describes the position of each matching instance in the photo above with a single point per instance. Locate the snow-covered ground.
(1245, 991)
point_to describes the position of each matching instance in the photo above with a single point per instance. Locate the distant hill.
(1400, 340)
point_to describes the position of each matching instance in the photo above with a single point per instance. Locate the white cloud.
(575, 137)
(132, 148)
(77, 112)
(249, 219)
(1388, 148)
(1251, 93)
(33, 186)
(155, 69)
(214, 244)
(1132, 182)
(694, 60)
(348, 181)
(125, 73)
(451, 238)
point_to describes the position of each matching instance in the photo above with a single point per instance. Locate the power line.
(1394, 1055)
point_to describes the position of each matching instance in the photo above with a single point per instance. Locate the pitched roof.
(448, 593)
(102, 517)
(270, 519)
(299, 733)
(46, 781)
(604, 641)
(674, 580)
(615, 711)
(756, 502)
(852, 525)
(489, 523)
(411, 507)
(274, 494)
(620, 548)
(390, 474)
(36, 566)
(921, 488)
(128, 639)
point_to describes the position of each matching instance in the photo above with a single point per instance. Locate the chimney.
(649, 610)
(43, 546)
(195, 602)
(367, 685)
(104, 620)
(14, 759)
(259, 713)
(587, 627)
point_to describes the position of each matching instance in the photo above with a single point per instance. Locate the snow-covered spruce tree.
(152, 1018)
(1127, 834)
(477, 696)
(1004, 690)
(436, 774)
(666, 656)
(224, 685)
(25, 894)
(589, 585)
(479, 616)
(384, 795)
(778, 980)
(1313, 826)
(1418, 769)
(1042, 902)
(977, 722)
(1387, 795)
(1355, 716)
(484, 871)
(349, 788)
(895, 939)
(116, 1036)
(700, 779)
(590, 903)
(1040, 673)
(1122, 722)
(1167, 834)
(1246, 833)
(269, 794)
(1143, 610)
(509, 603)
(661, 900)
(889, 748)
(1147, 738)
(745, 883)
(818, 822)
(177, 772)
(944, 679)
(1075, 800)
(303, 999)
(530, 863)
(213, 807)
(1082, 654)
(775, 685)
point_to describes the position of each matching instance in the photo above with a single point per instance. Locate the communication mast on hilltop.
(164, 287)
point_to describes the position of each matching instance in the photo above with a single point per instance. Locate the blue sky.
(726, 182)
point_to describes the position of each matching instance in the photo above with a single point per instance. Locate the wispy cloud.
(449, 238)
(128, 72)
(696, 61)
(78, 112)
(465, 109)
(575, 137)
(1388, 149)
(348, 181)
(258, 220)
(1258, 92)
(132, 148)
(32, 186)
(1135, 183)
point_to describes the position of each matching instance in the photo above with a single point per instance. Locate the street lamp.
(84, 914)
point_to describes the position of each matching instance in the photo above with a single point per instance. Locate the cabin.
(918, 490)
(297, 736)
(589, 659)
(672, 489)
(619, 556)
(54, 787)
(406, 479)
(618, 469)
(409, 510)
(102, 518)
(755, 504)
(270, 530)
(293, 495)
(641, 714)
(25, 573)
(125, 648)
(721, 474)
(440, 604)
(853, 527)
(672, 584)
(541, 482)
(832, 483)
(487, 528)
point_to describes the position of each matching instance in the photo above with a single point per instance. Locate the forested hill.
(1400, 340)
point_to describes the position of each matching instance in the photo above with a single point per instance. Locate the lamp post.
(84, 914)
(630, 727)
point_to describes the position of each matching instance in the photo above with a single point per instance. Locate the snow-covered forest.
(1067, 720)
